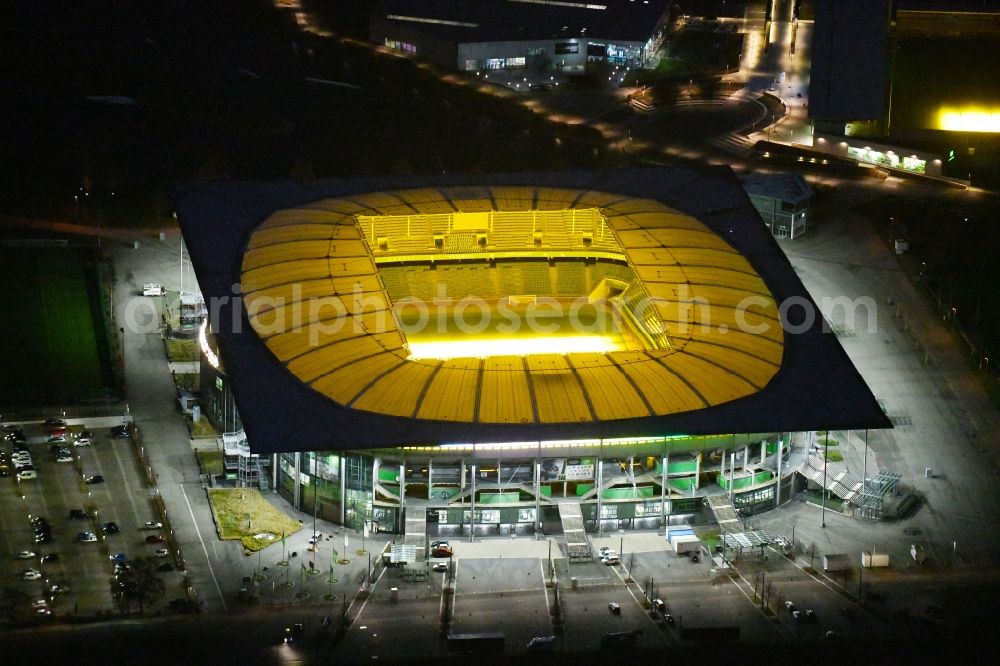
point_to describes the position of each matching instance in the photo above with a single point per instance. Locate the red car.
(61, 430)
(154, 538)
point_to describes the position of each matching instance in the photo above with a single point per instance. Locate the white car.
(83, 441)
(152, 525)
(86, 537)
(27, 474)
(64, 459)
(25, 555)
(31, 574)
(161, 552)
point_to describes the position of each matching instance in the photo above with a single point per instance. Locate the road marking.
(784, 631)
(642, 609)
(128, 488)
(365, 602)
(208, 560)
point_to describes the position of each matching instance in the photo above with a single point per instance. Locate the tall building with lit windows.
(534, 35)
(519, 353)
(920, 73)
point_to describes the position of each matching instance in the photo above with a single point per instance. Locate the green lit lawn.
(232, 508)
(182, 349)
(55, 343)
(201, 429)
(210, 462)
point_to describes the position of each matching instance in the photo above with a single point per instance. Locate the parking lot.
(83, 568)
(501, 595)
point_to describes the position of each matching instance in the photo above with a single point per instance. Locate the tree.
(139, 583)
(16, 605)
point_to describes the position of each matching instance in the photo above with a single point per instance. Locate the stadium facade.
(712, 364)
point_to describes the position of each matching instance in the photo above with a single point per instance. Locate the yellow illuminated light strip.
(560, 444)
(213, 359)
(483, 347)
(560, 3)
(970, 119)
(421, 19)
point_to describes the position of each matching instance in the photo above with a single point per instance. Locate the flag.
(282, 539)
(366, 529)
(346, 547)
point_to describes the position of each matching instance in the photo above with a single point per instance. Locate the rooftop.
(678, 226)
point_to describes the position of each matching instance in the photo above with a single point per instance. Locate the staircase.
(725, 514)
(838, 479)
(415, 530)
(571, 516)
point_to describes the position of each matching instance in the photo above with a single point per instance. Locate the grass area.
(182, 350)
(242, 513)
(187, 381)
(201, 429)
(709, 537)
(668, 69)
(210, 462)
(55, 342)
(832, 503)
(834, 455)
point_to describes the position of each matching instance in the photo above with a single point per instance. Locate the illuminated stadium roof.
(320, 250)
(674, 239)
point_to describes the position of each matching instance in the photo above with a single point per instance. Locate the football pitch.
(55, 348)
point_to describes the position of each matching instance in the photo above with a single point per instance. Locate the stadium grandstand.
(509, 354)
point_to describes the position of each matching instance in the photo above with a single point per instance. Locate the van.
(27, 474)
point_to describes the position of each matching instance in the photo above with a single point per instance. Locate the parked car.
(659, 606)
(166, 566)
(152, 525)
(58, 431)
(120, 558)
(51, 557)
(56, 439)
(25, 555)
(86, 434)
(161, 552)
(43, 537)
(31, 574)
(611, 560)
(110, 527)
(86, 537)
(96, 478)
(615, 608)
(154, 538)
(59, 588)
(27, 474)
(542, 644)
(82, 441)
(442, 551)
(440, 566)
(120, 432)
(77, 514)
(64, 458)
(54, 423)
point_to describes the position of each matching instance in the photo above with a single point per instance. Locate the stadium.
(513, 354)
